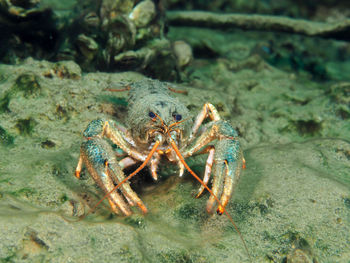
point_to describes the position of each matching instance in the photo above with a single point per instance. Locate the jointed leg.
(154, 165)
(79, 167)
(226, 158)
(118, 176)
(103, 166)
(208, 110)
(96, 161)
(126, 162)
(111, 130)
(208, 166)
(227, 168)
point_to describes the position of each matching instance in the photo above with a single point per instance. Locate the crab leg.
(208, 110)
(118, 176)
(227, 169)
(226, 158)
(98, 156)
(154, 165)
(111, 130)
(208, 167)
(79, 167)
(94, 156)
(126, 162)
(149, 156)
(221, 208)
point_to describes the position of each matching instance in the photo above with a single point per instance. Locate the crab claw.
(98, 156)
(228, 162)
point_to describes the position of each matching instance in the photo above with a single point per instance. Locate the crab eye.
(152, 115)
(177, 117)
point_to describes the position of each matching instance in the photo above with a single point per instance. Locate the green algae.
(136, 221)
(347, 202)
(25, 192)
(5, 138)
(27, 83)
(4, 103)
(25, 126)
(181, 256)
(116, 100)
(63, 198)
(188, 212)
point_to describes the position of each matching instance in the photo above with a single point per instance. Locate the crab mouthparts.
(166, 138)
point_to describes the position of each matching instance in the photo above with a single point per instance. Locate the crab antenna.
(221, 207)
(178, 122)
(161, 120)
(177, 91)
(126, 88)
(155, 146)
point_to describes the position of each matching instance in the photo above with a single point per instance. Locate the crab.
(160, 126)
